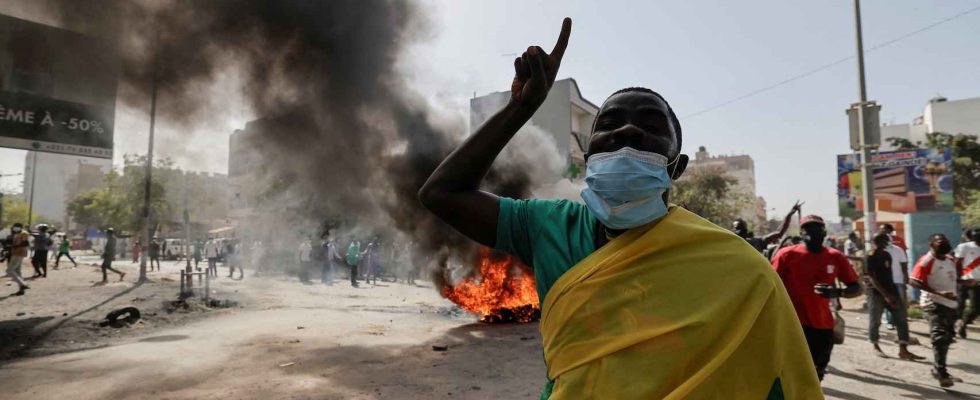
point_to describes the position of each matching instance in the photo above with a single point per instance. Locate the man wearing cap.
(809, 271)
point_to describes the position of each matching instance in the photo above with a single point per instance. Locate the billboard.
(905, 181)
(57, 90)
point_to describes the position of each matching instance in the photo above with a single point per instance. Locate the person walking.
(330, 257)
(154, 253)
(256, 255)
(305, 258)
(109, 255)
(197, 255)
(137, 251)
(936, 275)
(884, 293)
(211, 252)
(967, 256)
(19, 243)
(64, 249)
(900, 276)
(352, 258)
(40, 258)
(810, 272)
(234, 258)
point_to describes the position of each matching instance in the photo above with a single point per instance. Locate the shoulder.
(543, 206)
(925, 259)
(789, 250)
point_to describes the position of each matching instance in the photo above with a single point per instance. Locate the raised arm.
(453, 192)
(775, 236)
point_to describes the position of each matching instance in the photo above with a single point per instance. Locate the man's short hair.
(936, 236)
(673, 117)
(887, 227)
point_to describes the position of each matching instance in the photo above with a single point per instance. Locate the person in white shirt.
(305, 256)
(853, 244)
(211, 252)
(967, 256)
(900, 276)
(936, 275)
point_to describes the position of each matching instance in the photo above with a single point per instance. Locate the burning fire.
(502, 291)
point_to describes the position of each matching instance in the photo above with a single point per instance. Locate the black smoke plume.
(341, 142)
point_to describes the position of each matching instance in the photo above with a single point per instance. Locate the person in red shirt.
(809, 272)
(936, 275)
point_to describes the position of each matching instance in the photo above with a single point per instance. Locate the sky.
(698, 54)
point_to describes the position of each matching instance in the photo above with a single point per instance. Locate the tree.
(119, 203)
(15, 210)
(971, 213)
(966, 162)
(712, 194)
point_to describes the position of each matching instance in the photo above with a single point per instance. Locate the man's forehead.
(634, 100)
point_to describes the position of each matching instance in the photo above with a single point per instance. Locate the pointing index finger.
(566, 30)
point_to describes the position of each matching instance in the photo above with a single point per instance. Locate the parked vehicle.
(175, 249)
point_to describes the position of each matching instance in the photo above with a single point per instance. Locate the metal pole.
(187, 227)
(30, 201)
(148, 228)
(867, 176)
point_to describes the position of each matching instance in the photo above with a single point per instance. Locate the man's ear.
(680, 167)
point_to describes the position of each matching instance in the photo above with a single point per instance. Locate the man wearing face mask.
(936, 274)
(624, 299)
(809, 272)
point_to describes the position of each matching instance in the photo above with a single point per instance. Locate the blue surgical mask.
(626, 187)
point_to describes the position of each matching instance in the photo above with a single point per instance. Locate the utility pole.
(187, 233)
(30, 200)
(865, 129)
(147, 225)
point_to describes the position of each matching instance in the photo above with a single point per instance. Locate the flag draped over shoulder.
(679, 308)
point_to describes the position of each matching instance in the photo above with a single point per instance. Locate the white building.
(59, 178)
(565, 114)
(939, 115)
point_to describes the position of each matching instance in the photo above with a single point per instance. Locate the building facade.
(939, 115)
(565, 115)
(60, 178)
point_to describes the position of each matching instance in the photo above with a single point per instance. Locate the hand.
(535, 70)
(949, 295)
(797, 208)
(892, 302)
(828, 291)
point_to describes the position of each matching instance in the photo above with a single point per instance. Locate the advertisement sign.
(57, 90)
(905, 181)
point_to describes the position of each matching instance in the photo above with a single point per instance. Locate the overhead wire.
(828, 65)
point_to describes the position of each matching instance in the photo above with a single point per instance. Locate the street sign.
(871, 126)
(57, 90)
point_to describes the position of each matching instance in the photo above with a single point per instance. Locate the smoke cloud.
(342, 144)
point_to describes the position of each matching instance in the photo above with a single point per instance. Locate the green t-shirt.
(550, 236)
(63, 248)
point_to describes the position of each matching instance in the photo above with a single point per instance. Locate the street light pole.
(148, 228)
(867, 176)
